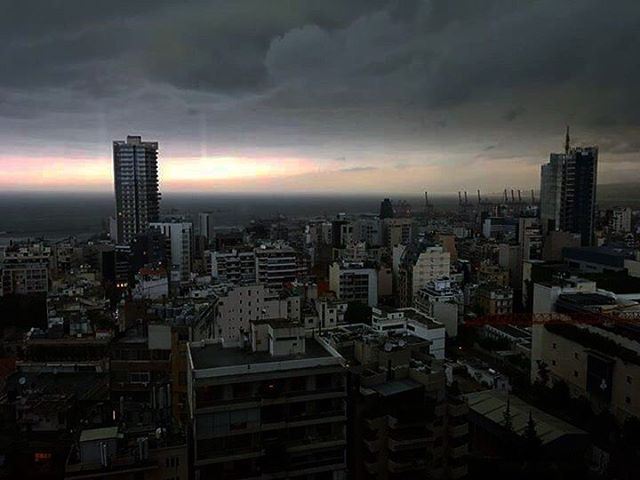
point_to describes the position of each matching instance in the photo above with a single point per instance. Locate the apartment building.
(235, 266)
(277, 265)
(24, 269)
(402, 423)
(234, 307)
(354, 282)
(275, 409)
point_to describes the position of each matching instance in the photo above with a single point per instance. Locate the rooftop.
(213, 355)
(98, 434)
(492, 404)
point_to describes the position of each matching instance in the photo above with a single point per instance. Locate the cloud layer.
(339, 90)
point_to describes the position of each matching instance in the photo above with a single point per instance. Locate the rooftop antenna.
(505, 196)
(478, 196)
(567, 141)
(533, 197)
(513, 197)
(465, 198)
(459, 198)
(519, 197)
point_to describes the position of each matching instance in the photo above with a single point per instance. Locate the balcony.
(399, 466)
(459, 451)
(458, 409)
(373, 445)
(458, 430)
(409, 441)
(371, 467)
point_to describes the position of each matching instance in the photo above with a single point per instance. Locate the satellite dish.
(22, 381)
(388, 347)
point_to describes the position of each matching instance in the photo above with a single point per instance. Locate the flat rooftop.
(492, 404)
(213, 355)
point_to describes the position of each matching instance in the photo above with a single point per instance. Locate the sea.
(56, 215)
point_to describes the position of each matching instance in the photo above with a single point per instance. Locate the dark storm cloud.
(331, 66)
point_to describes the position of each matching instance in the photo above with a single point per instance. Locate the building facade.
(135, 167)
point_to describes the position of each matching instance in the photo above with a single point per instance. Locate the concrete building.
(490, 437)
(151, 284)
(419, 265)
(354, 282)
(568, 192)
(135, 167)
(597, 362)
(368, 230)
(601, 259)
(621, 220)
(443, 301)
(397, 231)
(494, 300)
(510, 258)
(530, 238)
(180, 242)
(277, 265)
(205, 227)
(555, 242)
(402, 423)
(545, 294)
(235, 266)
(24, 269)
(409, 321)
(273, 410)
(232, 309)
(108, 453)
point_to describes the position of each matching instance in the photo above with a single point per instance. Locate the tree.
(508, 423)
(532, 442)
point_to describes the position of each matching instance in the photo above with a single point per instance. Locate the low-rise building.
(410, 321)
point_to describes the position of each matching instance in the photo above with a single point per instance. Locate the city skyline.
(394, 97)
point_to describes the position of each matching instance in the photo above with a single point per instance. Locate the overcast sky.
(317, 96)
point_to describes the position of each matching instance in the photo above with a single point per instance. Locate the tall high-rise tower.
(568, 191)
(135, 167)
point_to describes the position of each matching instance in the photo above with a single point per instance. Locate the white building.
(276, 265)
(354, 282)
(180, 236)
(621, 220)
(236, 266)
(151, 284)
(443, 301)
(235, 307)
(413, 322)
(432, 264)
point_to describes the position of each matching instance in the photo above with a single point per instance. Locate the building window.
(575, 355)
(553, 362)
(575, 373)
(627, 400)
(629, 380)
(554, 346)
